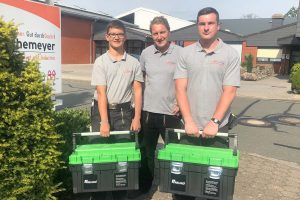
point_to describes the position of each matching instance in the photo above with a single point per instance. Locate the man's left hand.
(210, 130)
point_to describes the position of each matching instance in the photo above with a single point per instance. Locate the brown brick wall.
(76, 40)
(249, 50)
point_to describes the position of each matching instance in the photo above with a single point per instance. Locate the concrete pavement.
(259, 177)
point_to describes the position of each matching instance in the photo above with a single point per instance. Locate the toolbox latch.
(176, 167)
(215, 172)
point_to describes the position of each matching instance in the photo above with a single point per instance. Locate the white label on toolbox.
(177, 182)
(90, 182)
(121, 180)
(211, 187)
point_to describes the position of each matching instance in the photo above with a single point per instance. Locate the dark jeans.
(119, 120)
(153, 125)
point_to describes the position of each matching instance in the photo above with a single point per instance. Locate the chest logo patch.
(170, 62)
(128, 71)
(217, 62)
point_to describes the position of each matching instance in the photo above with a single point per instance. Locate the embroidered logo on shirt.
(170, 62)
(127, 71)
(217, 62)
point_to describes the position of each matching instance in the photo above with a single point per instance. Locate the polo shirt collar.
(169, 50)
(113, 60)
(216, 50)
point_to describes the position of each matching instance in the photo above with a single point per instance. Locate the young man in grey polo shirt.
(207, 77)
(158, 63)
(117, 76)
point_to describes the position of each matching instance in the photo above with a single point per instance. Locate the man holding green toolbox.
(160, 109)
(117, 77)
(207, 77)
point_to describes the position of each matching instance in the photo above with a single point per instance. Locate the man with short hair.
(207, 77)
(160, 110)
(117, 76)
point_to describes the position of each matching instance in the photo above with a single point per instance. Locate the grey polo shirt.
(159, 93)
(207, 74)
(117, 76)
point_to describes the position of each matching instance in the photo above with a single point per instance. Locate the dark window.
(101, 47)
(134, 46)
(179, 43)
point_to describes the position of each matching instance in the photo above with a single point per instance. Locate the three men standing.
(207, 75)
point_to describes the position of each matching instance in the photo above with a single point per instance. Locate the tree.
(293, 12)
(29, 155)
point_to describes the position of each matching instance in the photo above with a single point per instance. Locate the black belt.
(116, 106)
(119, 106)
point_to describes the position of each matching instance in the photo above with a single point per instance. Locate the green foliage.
(249, 62)
(295, 77)
(243, 64)
(10, 59)
(69, 121)
(29, 155)
(293, 12)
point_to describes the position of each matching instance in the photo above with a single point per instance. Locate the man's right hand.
(104, 129)
(191, 129)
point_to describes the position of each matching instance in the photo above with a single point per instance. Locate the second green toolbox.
(197, 171)
(105, 167)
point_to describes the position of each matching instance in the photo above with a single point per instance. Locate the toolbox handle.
(219, 134)
(200, 132)
(88, 134)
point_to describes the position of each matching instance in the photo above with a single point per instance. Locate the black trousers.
(153, 125)
(119, 120)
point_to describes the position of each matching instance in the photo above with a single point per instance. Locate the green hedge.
(295, 77)
(29, 156)
(69, 121)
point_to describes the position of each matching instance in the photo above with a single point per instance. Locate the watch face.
(216, 121)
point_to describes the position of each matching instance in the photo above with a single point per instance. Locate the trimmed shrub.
(29, 155)
(249, 62)
(295, 77)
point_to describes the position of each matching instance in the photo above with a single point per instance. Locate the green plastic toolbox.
(196, 170)
(105, 167)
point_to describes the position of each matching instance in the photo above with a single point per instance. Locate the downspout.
(92, 52)
(91, 42)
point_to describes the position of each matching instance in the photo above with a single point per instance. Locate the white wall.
(238, 48)
(143, 19)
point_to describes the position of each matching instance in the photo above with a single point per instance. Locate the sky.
(188, 9)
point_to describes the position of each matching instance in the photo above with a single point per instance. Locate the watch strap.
(216, 121)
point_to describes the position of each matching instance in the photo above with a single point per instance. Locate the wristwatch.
(216, 121)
